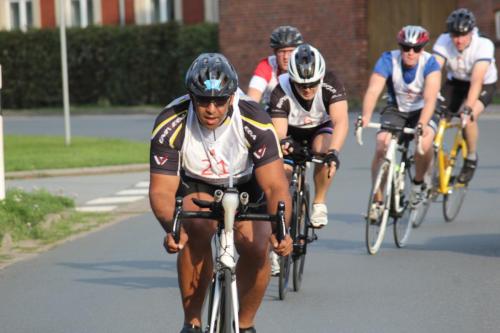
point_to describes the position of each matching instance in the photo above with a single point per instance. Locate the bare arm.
(375, 88)
(162, 190)
(281, 126)
(340, 120)
(272, 179)
(441, 61)
(431, 90)
(255, 94)
(476, 83)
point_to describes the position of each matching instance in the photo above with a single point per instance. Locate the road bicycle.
(390, 192)
(228, 207)
(301, 230)
(447, 165)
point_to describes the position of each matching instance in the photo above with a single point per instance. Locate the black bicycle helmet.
(285, 36)
(460, 21)
(211, 75)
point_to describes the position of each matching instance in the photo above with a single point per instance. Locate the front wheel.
(285, 264)
(453, 200)
(301, 239)
(227, 302)
(402, 226)
(378, 209)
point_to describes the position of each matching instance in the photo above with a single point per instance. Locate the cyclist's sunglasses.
(304, 86)
(407, 48)
(205, 101)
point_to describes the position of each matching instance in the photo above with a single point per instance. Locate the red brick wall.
(110, 12)
(193, 11)
(336, 28)
(129, 12)
(48, 13)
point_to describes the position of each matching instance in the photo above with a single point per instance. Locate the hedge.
(130, 65)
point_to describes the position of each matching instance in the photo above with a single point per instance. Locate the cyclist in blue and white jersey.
(469, 59)
(413, 79)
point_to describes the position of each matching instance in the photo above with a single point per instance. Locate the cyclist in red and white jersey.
(469, 59)
(283, 41)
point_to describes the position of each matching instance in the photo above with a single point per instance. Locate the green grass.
(24, 153)
(25, 215)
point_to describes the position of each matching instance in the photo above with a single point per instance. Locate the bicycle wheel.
(418, 214)
(284, 277)
(453, 200)
(301, 239)
(226, 305)
(402, 214)
(376, 219)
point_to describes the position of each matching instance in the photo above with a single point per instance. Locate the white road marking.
(114, 200)
(135, 191)
(95, 209)
(142, 184)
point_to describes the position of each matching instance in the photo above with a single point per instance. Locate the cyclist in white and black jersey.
(469, 60)
(308, 104)
(413, 78)
(283, 41)
(194, 140)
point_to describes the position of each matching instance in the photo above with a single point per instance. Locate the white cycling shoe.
(275, 263)
(319, 216)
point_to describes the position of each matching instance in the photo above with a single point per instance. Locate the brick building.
(351, 34)
(24, 14)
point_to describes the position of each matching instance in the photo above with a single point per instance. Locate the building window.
(82, 13)
(497, 24)
(21, 14)
(162, 11)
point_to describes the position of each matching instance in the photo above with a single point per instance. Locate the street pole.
(121, 8)
(64, 65)
(2, 168)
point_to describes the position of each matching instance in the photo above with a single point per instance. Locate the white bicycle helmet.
(306, 65)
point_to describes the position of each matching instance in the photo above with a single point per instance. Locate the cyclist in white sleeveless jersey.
(469, 60)
(412, 77)
(197, 140)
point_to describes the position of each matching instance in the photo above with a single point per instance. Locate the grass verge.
(29, 220)
(23, 153)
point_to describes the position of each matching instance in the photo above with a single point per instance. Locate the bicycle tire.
(453, 200)
(226, 305)
(375, 229)
(402, 221)
(432, 185)
(302, 235)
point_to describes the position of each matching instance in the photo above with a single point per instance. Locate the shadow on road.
(484, 245)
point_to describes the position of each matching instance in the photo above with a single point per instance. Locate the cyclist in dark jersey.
(194, 140)
(306, 105)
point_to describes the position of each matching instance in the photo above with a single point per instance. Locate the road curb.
(77, 171)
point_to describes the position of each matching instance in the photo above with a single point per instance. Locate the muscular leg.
(194, 263)
(422, 162)
(321, 180)
(472, 130)
(253, 269)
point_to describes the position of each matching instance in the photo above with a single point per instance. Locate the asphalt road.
(446, 280)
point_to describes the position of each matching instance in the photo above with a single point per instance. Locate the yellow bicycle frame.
(446, 160)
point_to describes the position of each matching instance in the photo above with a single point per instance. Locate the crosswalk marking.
(114, 200)
(95, 209)
(142, 184)
(135, 191)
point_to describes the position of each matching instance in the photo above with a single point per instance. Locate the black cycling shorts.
(190, 185)
(309, 134)
(455, 92)
(391, 115)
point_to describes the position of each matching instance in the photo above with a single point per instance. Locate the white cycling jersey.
(298, 116)
(409, 96)
(223, 147)
(459, 64)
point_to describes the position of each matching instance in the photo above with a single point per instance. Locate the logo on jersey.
(282, 100)
(212, 84)
(249, 132)
(170, 127)
(329, 88)
(259, 153)
(160, 160)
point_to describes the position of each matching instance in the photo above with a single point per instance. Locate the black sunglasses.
(417, 49)
(307, 85)
(205, 101)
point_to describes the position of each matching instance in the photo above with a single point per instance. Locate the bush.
(130, 65)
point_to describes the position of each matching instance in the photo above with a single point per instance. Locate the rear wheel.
(378, 212)
(301, 238)
(453, 200)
